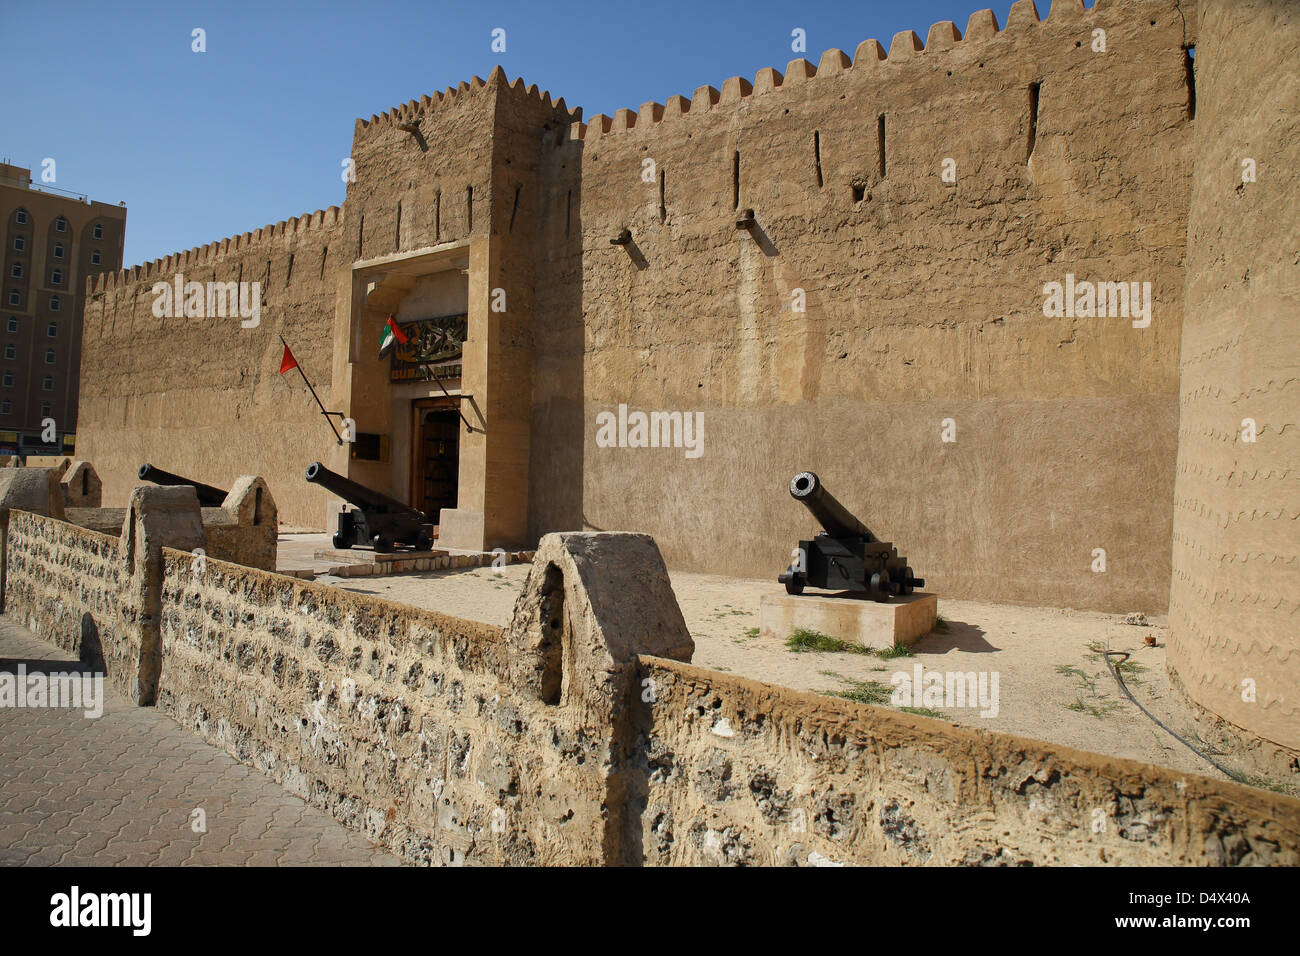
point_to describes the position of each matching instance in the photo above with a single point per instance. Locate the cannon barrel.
(358, 495)
(807, 489)
(209, 497)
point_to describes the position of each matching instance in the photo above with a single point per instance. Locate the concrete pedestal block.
(858, 620)
(460, 529)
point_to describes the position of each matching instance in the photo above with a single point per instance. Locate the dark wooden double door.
(436, 457)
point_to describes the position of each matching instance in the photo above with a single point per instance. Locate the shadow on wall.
(558, 426)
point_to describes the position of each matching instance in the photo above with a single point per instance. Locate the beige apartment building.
(52, 240)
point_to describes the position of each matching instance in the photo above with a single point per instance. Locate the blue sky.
(203, 146)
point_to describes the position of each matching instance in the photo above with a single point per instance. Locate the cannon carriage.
(376, 519)
(845, 556)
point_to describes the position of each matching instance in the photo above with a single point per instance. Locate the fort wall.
(202, 396)
(924, 303)
(1235, 595)
(911, 207)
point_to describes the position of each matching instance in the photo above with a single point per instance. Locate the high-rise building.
(51, 240)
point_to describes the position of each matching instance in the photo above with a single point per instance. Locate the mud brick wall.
(203, 397)
(739, 772)
(393, 719)
(1234, 615)
(924, 303)
(66, 584)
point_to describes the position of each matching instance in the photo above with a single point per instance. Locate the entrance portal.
(436, 457)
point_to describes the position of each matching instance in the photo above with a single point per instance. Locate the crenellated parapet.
(906, 52)
(427, 105)
(179, 261)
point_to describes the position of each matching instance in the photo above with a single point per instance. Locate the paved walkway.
(122, 790)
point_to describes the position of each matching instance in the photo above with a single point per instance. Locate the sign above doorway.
(432, 349)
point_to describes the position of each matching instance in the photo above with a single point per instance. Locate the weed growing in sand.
(804, 641)
(940, 623)
(889, 653)
(864, 692)
(1087, 698)
(923, 712)
(1101, 709)
(1254, 780)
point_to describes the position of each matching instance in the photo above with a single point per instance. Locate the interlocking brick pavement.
(119, 790)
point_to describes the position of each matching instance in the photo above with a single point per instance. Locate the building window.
(8, 380)
(58, 250)
(11, 352)
(13, 324)
(94, 258)
(49, 356)
(60, 225)
(20, 243)
(15, 298)
(56, 277)
(6, 407)
(21, 218)
(47, 384)
(53, 330)
(16, 270)
(54, 303)
(97, 232)
(45, 409)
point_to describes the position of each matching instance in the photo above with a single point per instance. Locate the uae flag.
(391, 335)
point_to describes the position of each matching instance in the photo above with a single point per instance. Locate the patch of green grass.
(804, 641)
(889, 653)
(940, 623)
(865, 692)
(923, 712)
(751, 632)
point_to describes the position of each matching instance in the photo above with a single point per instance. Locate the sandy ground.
(1052, 685)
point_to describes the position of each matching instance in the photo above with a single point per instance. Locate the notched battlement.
(169, 265)
(906, 46)
(411, 111)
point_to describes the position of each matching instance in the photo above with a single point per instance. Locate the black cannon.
(209, 497)
(378, 520)
(846, 556)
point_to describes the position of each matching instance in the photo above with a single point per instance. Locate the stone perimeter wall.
(64, 583)
(394, 720)
(564, 739)
(741, 772)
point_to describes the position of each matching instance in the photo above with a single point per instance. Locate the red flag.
(287, 361)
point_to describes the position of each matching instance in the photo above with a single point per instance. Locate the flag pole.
(298, 366)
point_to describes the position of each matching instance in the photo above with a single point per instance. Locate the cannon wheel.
(794, 584)
(906, 588)
(340, 542)
(425, 541)
(383, 544)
